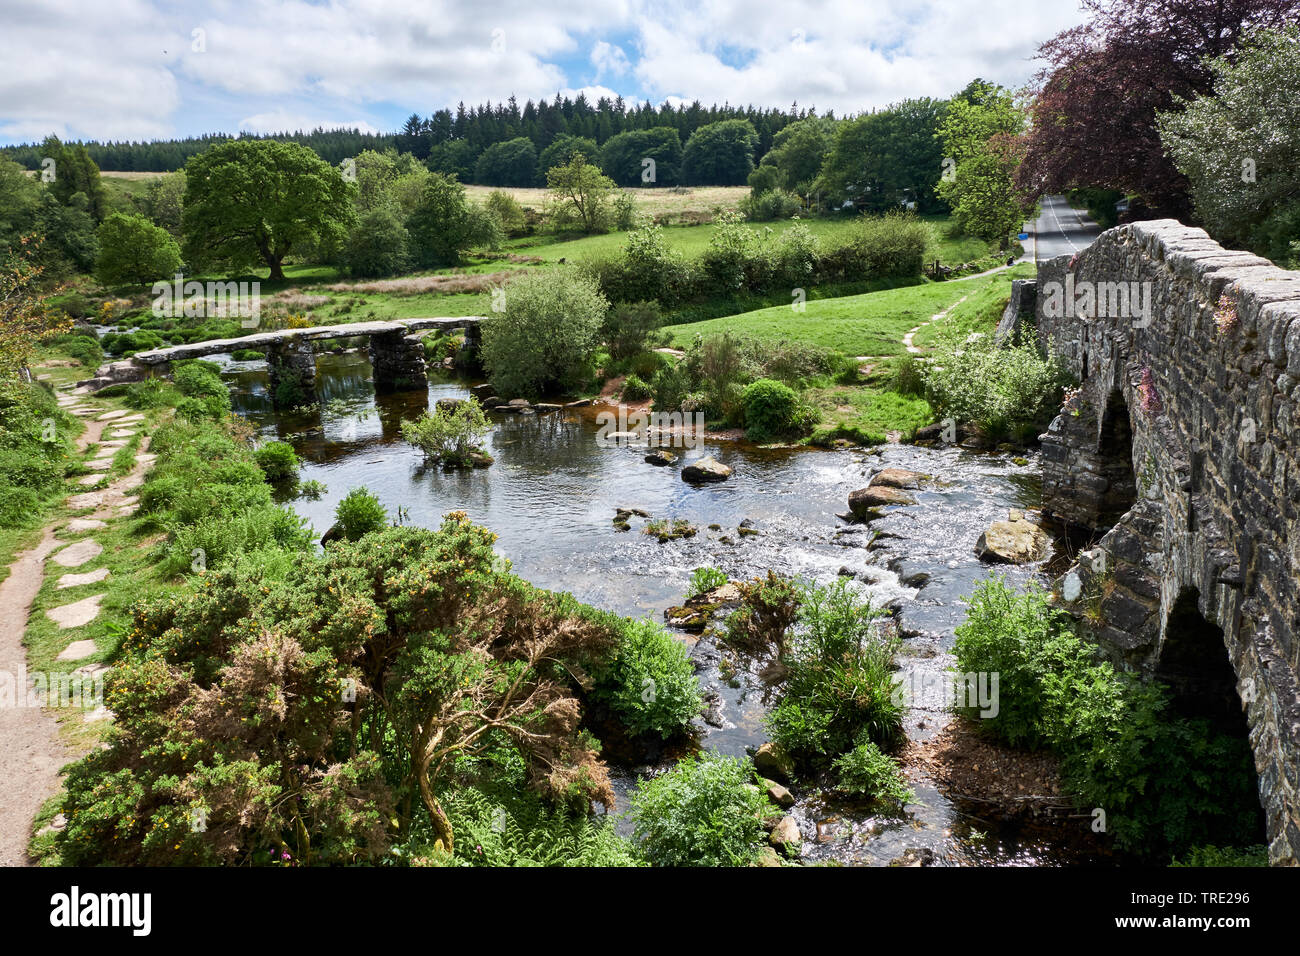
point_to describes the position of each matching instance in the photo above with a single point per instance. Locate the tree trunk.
(276, 271)
(441, 825)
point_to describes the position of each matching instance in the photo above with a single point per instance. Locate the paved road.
(1058, 231)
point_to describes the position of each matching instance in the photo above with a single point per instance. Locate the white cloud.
(127, 68)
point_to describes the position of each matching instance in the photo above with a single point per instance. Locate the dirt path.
(938, 316)
(30, 751)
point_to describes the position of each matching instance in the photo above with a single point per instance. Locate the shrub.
(133, 251)
(839, 688)
(247, 355)
(219, 539)
(277, 460)
(378, 244)
(770, 204)
(628, 327)
(84, 348)
(706, 811)
(774, 411)
(669, 387)
(508, 211)
(151, 393)
(451, 434)
(866, 771)
(1005, 391)
(635, 390)
(312, 489)
(1224, 856)
(650, 684)
(704, 580)
(545, 338)
(359, 514)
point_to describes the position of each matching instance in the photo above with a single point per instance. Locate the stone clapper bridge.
(396, 353)
(1179, 458)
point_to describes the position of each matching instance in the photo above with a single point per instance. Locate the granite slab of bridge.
(395, 347)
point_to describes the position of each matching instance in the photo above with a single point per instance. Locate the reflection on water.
(551, 498)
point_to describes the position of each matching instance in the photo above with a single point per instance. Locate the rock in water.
(706, 469)
(661, 457)
(1012, 542)
(771, 760)
(786, 837)
(896, 478)
(864, 500)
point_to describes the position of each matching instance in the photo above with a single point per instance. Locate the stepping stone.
(126, 434)
(76, 614)
(109, 416)
(76, 580)
(100, 464)
(129, 482)
(87, 499)
(113, 443)
(127, 510)
(90, 670)
(78, 553)
(137, 417)
(87, 480)
(80, 390)
(85, 524)
(99, 713)
(145, 459)
(77, 650)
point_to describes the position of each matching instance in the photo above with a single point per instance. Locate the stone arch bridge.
(1179, 461)
(396, 352)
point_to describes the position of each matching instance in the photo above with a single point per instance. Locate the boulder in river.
(706, 469)
(865, 500)
(896, 478)
(660, 457)
(1015, 541)
(778, 794)
(771, 760)
(786, 837)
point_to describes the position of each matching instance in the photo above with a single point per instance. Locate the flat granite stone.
(100, 464)
(76, 614)
(77, 650)
(78, 553)
(113, 443)
(87, 480)
(137, 417)
(109, 416)
(76, 580)
(99, 713)
(85, 524)
(123, 435)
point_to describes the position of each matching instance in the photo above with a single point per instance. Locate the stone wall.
(1181, 447)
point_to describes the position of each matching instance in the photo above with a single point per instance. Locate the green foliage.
(251, 201)
(561, 150)
(770, 204)
(84, 348)
(706, 811)
(979, 133)
(768, 608)
(509, 163)
(580, 196)
(623, 156)
(277, 460)
(886, 158)
(628, 327)
(649, 684)
(360, 514)
(516, 828)
(1011, 391)
(206, 396)
(1224, 856)
(866, 771)
(1166, 782)
(720, 154)
(133, 251)
(450, 434)
(635, 389)
(774, 411)
(441, 225)
(704, 580)
(547, 335)
(378, 244)
(1239, 147)
(506, 209)
(35, 450)
(669, 387)
(839, 688)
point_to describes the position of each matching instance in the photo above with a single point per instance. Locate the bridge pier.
(397, 362)
(292, 366)
(468, 356)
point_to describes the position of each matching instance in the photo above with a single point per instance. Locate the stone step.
(85, 524)
(109, 416)
(78, 553)
(76, 580)
(76, 614)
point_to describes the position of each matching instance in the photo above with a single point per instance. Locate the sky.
(158, 69)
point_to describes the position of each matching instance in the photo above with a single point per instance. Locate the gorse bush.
(317, 707)
(359, 514)
(706, 811)
(1012, 391)
(1167, 782)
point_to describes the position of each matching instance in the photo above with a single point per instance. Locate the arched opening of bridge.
(1195, 666)
(1115, 454)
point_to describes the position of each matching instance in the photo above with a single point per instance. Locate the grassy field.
(656, 201)
(867, 325)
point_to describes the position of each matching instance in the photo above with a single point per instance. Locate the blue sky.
(145, 69)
